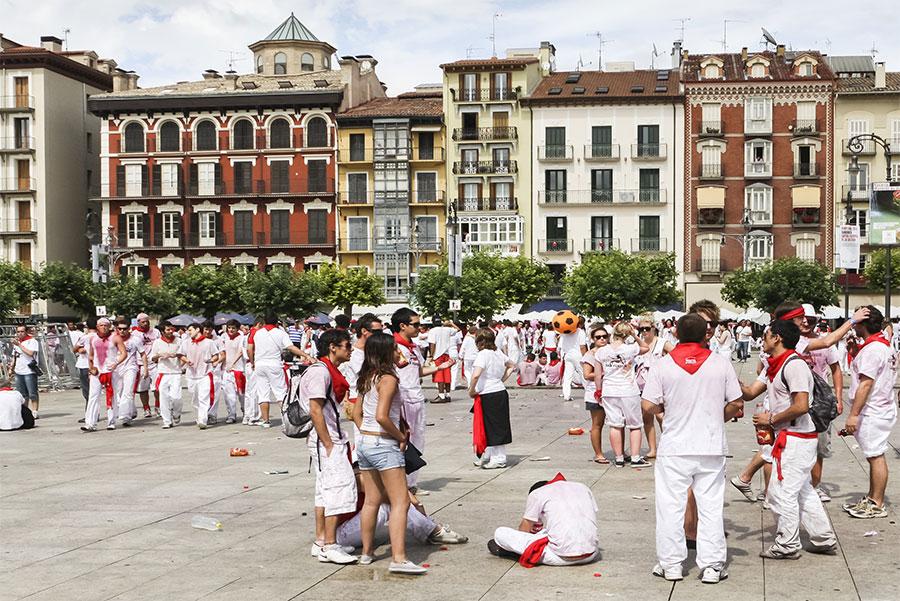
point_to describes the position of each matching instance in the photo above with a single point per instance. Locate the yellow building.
(391, 182)
(489, 146)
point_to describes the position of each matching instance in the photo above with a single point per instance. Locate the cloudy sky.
(173, 40)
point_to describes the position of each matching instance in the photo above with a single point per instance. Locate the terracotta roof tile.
(780, 67)
(305, 82)
(483, 63)
(618, 86)
(405, 106)
(866, 85)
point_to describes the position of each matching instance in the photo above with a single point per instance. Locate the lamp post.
(848, 213)
(453, 251)
(856, 145)
(742, 238)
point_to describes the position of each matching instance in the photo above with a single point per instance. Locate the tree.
(613, 285)
(69, 284)
(344, 287)
(205, 289)
(518, 279)
(17, 285)
(876, 269)
(788, 278)
(129, 296)
(282, 291)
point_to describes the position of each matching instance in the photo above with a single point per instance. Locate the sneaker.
(246, 420)
(407, 567)
(126, 423)
(713, 576)
(88, 429)
(441, 399)
(156, 412)
(619, 463)
(336, 554)
(212, 420)
(848, 507)
(494, 465)
(147, 413)
(445, 536)
(478, 461)
(761, 495)
(265, 424)
(230, 420)
(495, 549)
(166, 426)
(177, 419)
(111, 427)
(81, 421)
(670, 574)
(640, 462)
(871, 510)
(745, 489)
(827, 550)
(823, 496)
(201, 426)
(316, 549)
(253, 422)
(365, 560)
(36, 416)
(772, 553)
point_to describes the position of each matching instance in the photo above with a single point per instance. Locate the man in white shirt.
(165, 354)
(127, 373)
(440, 338)
(234, 379)
(146, 379)
(14, 414)
(548, 340)
(874, 412)
(264, 348)
(24, 355)
(76, 336)
(468, 351)
(558, 528)
(788, 382)
(200, 355)
(744, 334)
(699, 391)
(218, 374)
(571, 348)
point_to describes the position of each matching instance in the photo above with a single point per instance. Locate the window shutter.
(157, 229)
(120, 180)
(177, 224)
(145, 180)
(141, 228)
(194, 225)
(180, 179)
(219, 185)
(122, 232)
(194, 178)
(220, 235)
(157, 180)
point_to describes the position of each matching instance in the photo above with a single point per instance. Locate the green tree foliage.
(206, 290)
(127, 296)
(342, 287)
(789, 278)
(876, 269)
(17, 284)
(614, 285)
(69, 284)
(281, 290)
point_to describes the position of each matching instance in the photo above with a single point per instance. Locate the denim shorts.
(378, 453)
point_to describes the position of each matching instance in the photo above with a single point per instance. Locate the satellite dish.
(768, 37)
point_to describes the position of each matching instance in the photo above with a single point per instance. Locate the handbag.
(35, 368)
(413, 458)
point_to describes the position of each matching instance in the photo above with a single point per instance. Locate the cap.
(141, 316)
(808, 310)
(103, 321)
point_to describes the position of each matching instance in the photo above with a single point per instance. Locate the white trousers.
(415, 417)
(127, 382)
(97, 396)
(149, 383)
(794, 501)
(468, 368)
(270, 384)
(572, 373)
(233, 397)
(454, 373)
(217, 393)
(251, 400)
(497, 453)
(674, 475)
(517, 541)
(201, 390)
(418, 526)
(168, 387)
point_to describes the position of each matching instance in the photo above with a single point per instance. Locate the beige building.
(49, 152)
(489, 146)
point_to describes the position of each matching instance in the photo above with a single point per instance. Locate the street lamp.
(853, 172)
(742, 238)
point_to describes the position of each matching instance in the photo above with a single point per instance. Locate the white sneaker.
(823, 496)
(365, 560)
(407, 567)
(446, 536)
(670, 574)
(111, 427)
(166, 426)
(494, 465)
(246, 420)
(265, 424)
(713, 576)
(478, 461)
(744, 488)
(317, 549)
(336, 554)
(229, 420)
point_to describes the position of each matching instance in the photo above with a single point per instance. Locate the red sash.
(479, 436)
(533, 553)
(106, 383)
(781, 443)
(240, 380)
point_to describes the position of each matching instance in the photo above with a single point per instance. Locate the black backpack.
(822, 403)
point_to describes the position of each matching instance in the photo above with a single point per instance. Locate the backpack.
(295, 419)
(822, 403)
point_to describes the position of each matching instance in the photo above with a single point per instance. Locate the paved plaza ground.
(107, 516)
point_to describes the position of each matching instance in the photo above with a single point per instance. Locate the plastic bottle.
(202, 522)
(765, 435)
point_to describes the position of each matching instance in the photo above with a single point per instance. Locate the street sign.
(101, 310)
(884, 213)
(848, 246)
(455, 304)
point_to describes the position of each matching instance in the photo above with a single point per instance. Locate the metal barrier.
(55, 355)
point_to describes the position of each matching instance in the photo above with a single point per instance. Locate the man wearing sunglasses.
(127, 373)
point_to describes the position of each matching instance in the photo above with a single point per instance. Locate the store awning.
(806, 197)
(712, 197)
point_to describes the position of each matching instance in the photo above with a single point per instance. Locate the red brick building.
(758, 176)
(236, 168)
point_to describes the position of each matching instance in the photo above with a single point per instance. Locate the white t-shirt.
(876, 361)
(590, 386)
(441, 337)
(468, 350)
(455, 341)
(410, 380)
(618, 369)
(22, 360)
(549, 337)
(744, 333)
(724, 348)
(267, 346)
(694, 404)
(568, 512)
(81, 359)
(170, 365)
(370, 408)
(799, 378)
(820, 360)
(11, 402)
(493, 364)
(570, 343)
(314, 384)
(234, 351)
(351, 368)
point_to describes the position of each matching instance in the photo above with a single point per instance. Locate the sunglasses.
(712, 324)
(601, 336)
(645, 329)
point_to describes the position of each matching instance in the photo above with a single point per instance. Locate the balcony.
(559, 152)
(426, 197)
(474, 205)
(555, 246)
(261, 187)
(711, 129)
(149, 241)
(602, 196)
(409, 153)
(16, 144)
(710, 265)
(12, 227)
(760, 169)
(17, 103)
(356, 198)
(648, 152)
(757, 127)
(805, 127)
(17, 184)
(805, 170)
(355, 155)
(807, 217)
(760, 218)
(486, 95)
(711, 171)
(601, 152)
(649, 245)
(868, 147)
(857, 193)
(711, 217)
(432, 154)
(484, 134)
(247, 239)
(355, 245)
(600, 244)
(484, 167)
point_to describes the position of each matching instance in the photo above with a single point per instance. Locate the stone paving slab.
(107, 516)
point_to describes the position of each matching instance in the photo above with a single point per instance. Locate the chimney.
(779, 50)
(51, 43)
(211, 74)
(676, 54)
(231, 80)
(132, 80)
(880, 76)
(547, 58)
(744, 53)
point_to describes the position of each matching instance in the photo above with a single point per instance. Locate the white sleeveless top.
(370, 406)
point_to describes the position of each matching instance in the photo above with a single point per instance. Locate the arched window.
(206, 136)
(134, 138)
(758, 70)
(168, 137)
(306, 62)
(280, 63)
(242, 138)
(711, 71)
(259, 64)
(316, 132)
(280, 134)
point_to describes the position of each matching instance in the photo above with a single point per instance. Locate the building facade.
(49, 152)
(392, 183)
(607, 164)
(489, 146)
(758, 172)
(236, 168)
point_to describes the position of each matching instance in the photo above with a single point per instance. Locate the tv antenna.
(653, 56)
(471, 50)
(724, 39)
(600, 43)
(768, 38)
(233, 58)
(680, 28)
(66, 33)
(873, 50)
(493, 36)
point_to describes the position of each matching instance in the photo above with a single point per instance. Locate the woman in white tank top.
(658, 349)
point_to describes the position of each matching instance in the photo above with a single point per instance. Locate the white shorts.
(335, 481)
(824, 449)
(765, 452)
(271, 385)
(872, 434)
(623, 412)
(148, 383)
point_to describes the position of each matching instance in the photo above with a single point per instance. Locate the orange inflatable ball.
(565, 322)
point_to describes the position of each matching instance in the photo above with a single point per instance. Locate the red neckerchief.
(775, 363)
(554, 363)
(5, 389)
(27, 338)
(140, 329)
(233, 337)
(253, 331)
(339, 385)
(102, 337)
(199, 339)
(399, 339)
(798, 312)
(534, 552)
(689, 356)
(168, 340)
(879, 337)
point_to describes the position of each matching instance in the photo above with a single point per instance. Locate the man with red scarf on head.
(699, 392)
(105, 352)
(788, 382)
